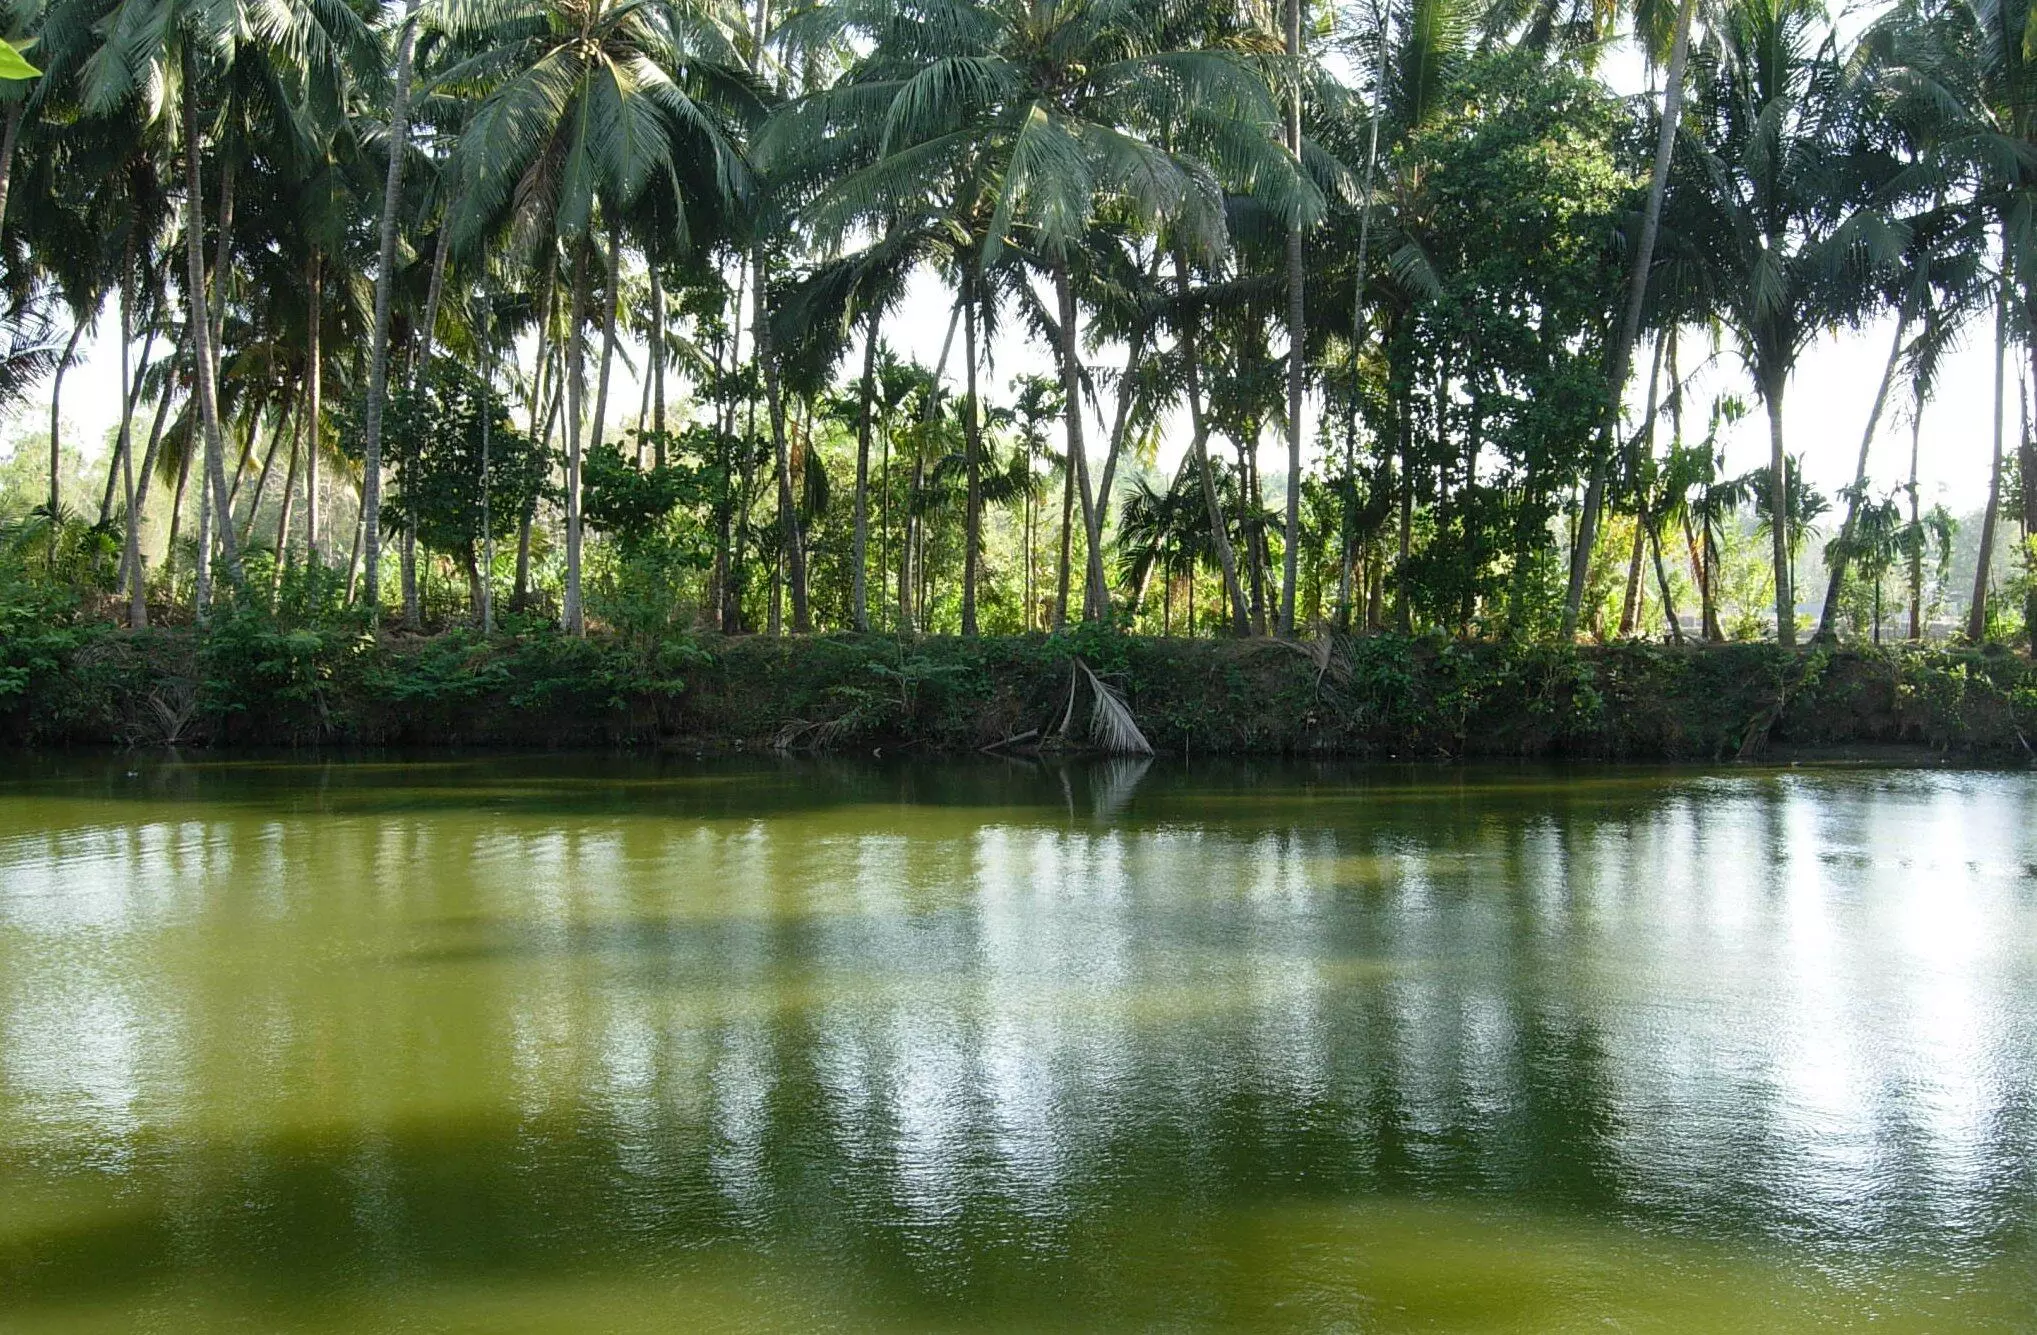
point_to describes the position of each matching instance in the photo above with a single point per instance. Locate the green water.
(603, 1045)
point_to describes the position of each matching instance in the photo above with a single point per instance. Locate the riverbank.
(247, 682)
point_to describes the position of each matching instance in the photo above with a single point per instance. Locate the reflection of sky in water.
(1798, 1008)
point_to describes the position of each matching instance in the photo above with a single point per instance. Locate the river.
(593, 1044)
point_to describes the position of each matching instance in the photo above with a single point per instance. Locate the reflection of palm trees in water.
(964, 1056)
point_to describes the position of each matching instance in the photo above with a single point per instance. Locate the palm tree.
(583, 106)
(1641, 266)
(1064, 110)
(1785, 201)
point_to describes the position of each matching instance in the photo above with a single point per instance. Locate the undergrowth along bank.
(248, 681)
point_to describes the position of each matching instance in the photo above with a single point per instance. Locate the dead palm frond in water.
(1111, 726)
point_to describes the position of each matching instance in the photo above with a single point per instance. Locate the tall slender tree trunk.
(573, 615)
(519, 593)
(427, 332)
(130, 398)
(972, 448)
(1779, 518)
(859, 596)
(608, 319)
(1403, 602)
(212, 478)
(130, 570)
(1220, 540)
(1630, 323)
(420, 364)
(56, 434)
(909, 547)
(2026, 466)
(1630, 609)
(1916, 528)
(1297, 341)
(484, 586)
(1358, 328)
(1698, 577)
(177, 510)
(1630, 605)
(137, 601)
(385, 282)
(1064, 577)
(201, 579)
(1096, 597)
(1976, 614)
(1828, 616)
(314, 402)
(794, 547)
(1669, 613)
(657, 364)
(262, 477)
(289, 502)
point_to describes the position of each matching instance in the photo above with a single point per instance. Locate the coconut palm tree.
(1064, 111)
(583, 106)
(1788, 204)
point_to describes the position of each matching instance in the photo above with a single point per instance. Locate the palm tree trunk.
(1976, 614)
(131, 570)
(1297, 339)
(908, 547)
(859, 599)
(284, 417)
(608, 318)
(1706, 620)
(212, 474)
(1358, 324)
(289, 502)
(177, 510)
(572, 614)
(1630, 608)
(434, 294)
(137, 602)
(385, 281)
(657, 365)
(1630, 605)
(1220, 540)
(201, 580)
(314, 402)
(1064, 578)
(1916, 529)
(972, 448)
(56, 441)
(1828, 616)
(1135, 352)
(1096, 596)
(130, 396)
(2026, 465)
(1778, 501)
(519, 595)
(484, 587)
(1662, 581)
(1403, 603)
(788, 511)
(1630, 324)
